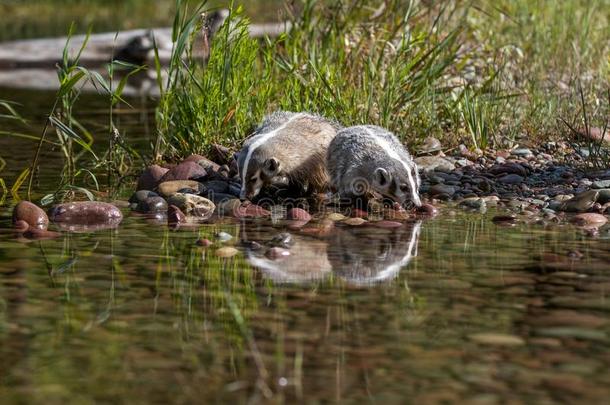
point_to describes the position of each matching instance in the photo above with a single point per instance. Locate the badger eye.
(404, 188)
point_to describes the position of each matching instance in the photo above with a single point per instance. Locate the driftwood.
(31, 63)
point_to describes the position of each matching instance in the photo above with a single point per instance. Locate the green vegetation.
(487, 74)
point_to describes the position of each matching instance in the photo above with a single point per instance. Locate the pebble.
(581, 202)
(93, 213)
(175, 216)
(184, 171)
(497, 339)
(504, 219)
(431, 163)
(168, 188)
(442, 189)
(251, 211)
(223, 236)
(152, 204)
(335, 216)
(430, 145)
(521, 152)
(203, 242)
(298, 214)
(30, 213)
(283, 240)
(193, 205)
(354, 221)
(228, 207)
(601, 184)
(226, 252)
(150, 177)
(589, 219)
(475, 203)
(427, 210)
(276, 253)
(511, 179)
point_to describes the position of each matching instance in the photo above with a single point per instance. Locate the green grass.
(482, 73)
(488, 74)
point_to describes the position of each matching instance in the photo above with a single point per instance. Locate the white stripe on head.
(259, 140)
(392, 153)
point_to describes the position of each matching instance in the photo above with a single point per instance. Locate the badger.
(287, 148)
(366, 159)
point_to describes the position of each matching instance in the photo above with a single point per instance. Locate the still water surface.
(451, 309)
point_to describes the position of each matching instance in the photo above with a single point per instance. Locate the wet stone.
(511, 179)
(21, 226)
(355, 221)
(150, 177)
(386, 224)
(589, 219)
(250, 211)
(193, 205)
(508, 168)
(184, 171)
(31, 214)
(226, 252)
(203, 242)
(168, 188)
(504, 219)
(223, 236)
(215, 186)
(427, 210)
(41, 234)
(283, 240)
(228, 207)
(86, 213)
(599, 184)
(442, 189)
(475, 203)
(277, 253)
(298, 214)
(175, 216)
(152, 204)
(581, 202)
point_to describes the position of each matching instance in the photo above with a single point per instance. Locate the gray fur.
(358, 165)
(295, 154)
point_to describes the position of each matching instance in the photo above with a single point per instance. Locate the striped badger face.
(398, 184)
(258, 174)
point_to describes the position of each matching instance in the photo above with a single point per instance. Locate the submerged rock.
(427, 210)
(277, 253)
(31, 214)
(580, 203)
(226, 252)
(150, 177)
(86, 213)
(193, 205)
(21, 226)
(298, 214)
(168, 188)
(589, 219)
(152, 204)
(223, 236)
(184, 171)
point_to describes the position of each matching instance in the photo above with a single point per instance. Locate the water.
(450, 309)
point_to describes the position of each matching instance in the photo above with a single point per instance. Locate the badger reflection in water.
(359, 255)
(365, 255)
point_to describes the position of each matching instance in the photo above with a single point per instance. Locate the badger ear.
(381, 177)
(271, 167)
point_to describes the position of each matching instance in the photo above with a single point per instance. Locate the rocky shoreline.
(542, 185)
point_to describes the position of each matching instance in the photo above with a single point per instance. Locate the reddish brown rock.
(33, 215)
(184, 171)
(87, 213)
(250, 211)
(204, 162)
(150, 177)
(175, 215)
(21, 226)
(589, 219)
(277, 253)
(298, 214)
(203, 242)
(221, 154)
